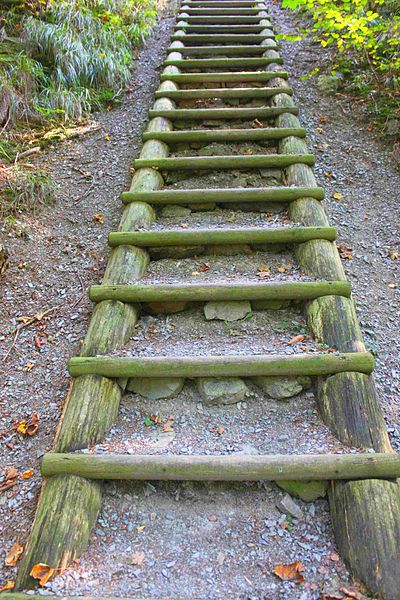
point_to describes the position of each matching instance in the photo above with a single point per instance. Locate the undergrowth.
(60, 60)
(365, 38)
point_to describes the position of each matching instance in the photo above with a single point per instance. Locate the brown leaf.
(28, 427)
(352, 593)
(98, 218)
(10, 474)
(290, 572)
(345, 252)
(42, 573)
(394, 255)
(257, 123)
(8, 586)
(13, 555)
(28, 474)
(138, 558)
(263, 271)
(204, 267)
(296, 338)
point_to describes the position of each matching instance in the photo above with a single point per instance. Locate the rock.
(289, 507)
(157, 388)
(308, 491)
(174, 210)
(227, 311)
(329, 84)
(165, 308)
(280, 388)
(392, 127)
(222, 390)
(229, 249)
(248, 449)
(271, 174)
(203, 206)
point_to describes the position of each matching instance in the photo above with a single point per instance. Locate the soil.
(191, 540)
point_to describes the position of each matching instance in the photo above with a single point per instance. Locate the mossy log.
(222, 196)
(212, 292)
(223, 19)
(264, 92)
(222, 77)
(228, 10)
(366, 522)
(349, 406)
(110, 327)
(209, 29)
(268, 365)
(344, 333)
(66, 513)
(223, 4)
(257, 161)
(196, 114)
(207, 136)
(255, 235)
(215, 63)
(221, 38)
(223, 468)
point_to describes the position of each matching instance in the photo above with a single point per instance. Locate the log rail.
(225, 51)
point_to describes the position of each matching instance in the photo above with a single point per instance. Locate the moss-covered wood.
(255, 235)
(222, 19)
(110, 327)
(221, 77)
(200, 114)
(66, 513)
(349, 406)
(218, 292)
(195, 163)
(263, 92)
(223, 468)
(222, 196)
(221, 38)
(222, 366)
(366, 522)
(222, 135)
(222, 29)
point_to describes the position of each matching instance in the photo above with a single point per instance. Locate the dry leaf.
(98, 218)
(13, 555)
(28, 474)
(8, 586)
(352, 593)
(345, 252)
(257, 123)
(337, 196)
(29, 367)
(138, 558)
(394, 255)
(10, 474)
(282, 269)
(290, 572)
(29, 427)
(297, 338)
(42, 573)
(264, 271)
(204, 267)
(140, 528)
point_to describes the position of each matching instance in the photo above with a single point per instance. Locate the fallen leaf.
(98, 218)
(168, 426)
(138, 558)
(290, 572)
(37, 342)
(8, 586)
(337, 196)
(140, 528)
(204, 267)
(28, 474)
(10, 474)
(264, 271)
(334, 557)
(296, 338)
(29, 427)
(42, 573)
(392, 286)
(352, 593)
(394, 255)
(29, 367)
(13, 555)
(195, 273)
(257, 123)
(345, 252)
(107, 137)
(282, 269)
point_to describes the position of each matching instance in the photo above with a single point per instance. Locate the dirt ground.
(188, 540)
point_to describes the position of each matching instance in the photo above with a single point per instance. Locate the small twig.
(83, 291)
(27, 153)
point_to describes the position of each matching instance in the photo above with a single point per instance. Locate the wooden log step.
(267, 467)
(224, 50)
(264, 92)
(224, 77)
(250, 235)
(224, 4)
(201, 114)
(297, 290)
(215, 63)
(268, 365)
(223, 196)
(212, 10)
(222, 39)
(195, 163)
(211, 29)
(221, 19)
(223, 135)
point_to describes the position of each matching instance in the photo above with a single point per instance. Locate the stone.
(222, 390)
(227, 311)
(308, 491)
(248, 449)
(229, 249)
(166, 308)
(329, 84)
(392, 127)
(281, 388)
(288, 506)
(157, 388)
(174, 210)
(203, 206)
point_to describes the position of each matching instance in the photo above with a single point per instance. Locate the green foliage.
(366, 37)
(23, 191)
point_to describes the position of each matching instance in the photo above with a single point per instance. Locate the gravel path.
(192, 540)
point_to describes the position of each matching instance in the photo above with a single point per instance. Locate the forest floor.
(173, 540)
